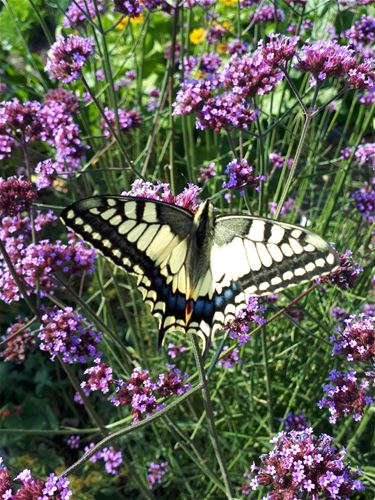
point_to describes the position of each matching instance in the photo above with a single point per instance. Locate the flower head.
(346, 274)
(241, 175)
(80, 10)
(266, 14)
(303, 464)
(239, 327)
(130, 8)
(155, 473)
(16, 196)
(364, 199)
(357, 340)
(345, 395)
(67, 334)
(18, 344)
(99, 377)
(197, 36)
(295, 422)
(67, 56)
(231, 359)
(279, 48)
(128, 120)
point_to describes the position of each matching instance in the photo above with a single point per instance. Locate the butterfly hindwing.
(146, 238)
(252, 256)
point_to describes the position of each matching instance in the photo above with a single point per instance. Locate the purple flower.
(287, 207)
(6, 146)
(128, 120)
(362, 32)
(67, 56)
(295, 422)
(300, 464)
(279, 49)
(206, 173)
(357, 340)
(80, 10)
(68, 335)
(57, 488)
(346, 274)
(325, 59)
(365, 154)
(20, 120)
(364, 200)
(18, 345)
(99, 377)
(345, 395)
(266, 14)
(112, 460)
(239, 327)
(155, 473)
(130, 8)
(16, 196)
(175, 350)
(367, 99)
(47, 173)
(172, 382)
(154, 99)
(241, 175)
(339, 314)
(362, 76)
(231, 359)
(161, 191)
(192, 96)
(74, 442)
(209, 63)
(237, 47)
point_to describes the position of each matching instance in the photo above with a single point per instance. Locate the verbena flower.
(67, 334)
(237, 46)
(365, 154)
(47, 171)
(266, 14)
(287, 207)
(231, 359)
(296, 422)
(74, 442)
(241, 174)
(16, 196)
(112, 459)
(175, 350)
(357, 340)
(17, 346)
(364, 199)
(302, 464)
(206, 173)
(6, 146)
(366, 98)
(346, 274)
(239, 327)
(129, 119)
(80, 10)
(345, 395)
(362, 32)
(130, 8)
(154, 99)
(155, 473)
(339, 313)
(278, 49)
(188, 198)
(20, 120)
(67, 56)
(172, 382)
(99, 377)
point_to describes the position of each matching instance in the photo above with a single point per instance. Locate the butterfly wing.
(147, 238)
(252, 256)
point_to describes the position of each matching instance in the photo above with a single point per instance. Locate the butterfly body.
(196, 272)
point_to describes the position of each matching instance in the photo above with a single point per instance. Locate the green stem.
(210, 415)
(268, 381)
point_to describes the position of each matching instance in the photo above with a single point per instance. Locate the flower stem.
(210, 415)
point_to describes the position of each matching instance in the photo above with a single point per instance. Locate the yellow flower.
(227, 26)
(228, 3)
(222, 48)
(198, 36)
(134, 20)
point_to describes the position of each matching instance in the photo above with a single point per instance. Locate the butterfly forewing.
(146, 238)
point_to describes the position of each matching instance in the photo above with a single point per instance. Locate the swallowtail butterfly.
(197, 271)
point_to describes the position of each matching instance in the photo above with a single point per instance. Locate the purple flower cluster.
(279, 48)
(111, 457)
(239, 327)
(362, 32)
(154, 99)
(6, 146)
(140, 393)
(16, 196)
(346, 274)
(33, 489)
(231, 359)
(161, 191)
(67, 334)
(206, 173)
(266, 14)
(303, 465)
(339, 313)
(67, 56)
(38, 262)
(238, 47)
(294, 422)
(329, 59)
(287, 207)
(278, 160)
(130, 8)
(129, 119)
(81, 10)
(20, 120)
(241, 174)
(357, 340)
(365, 154)
(18, 344)
(364, 199)
(99, 377)
(74, 442)
(175, 350)
(344, 395)
(155, 473)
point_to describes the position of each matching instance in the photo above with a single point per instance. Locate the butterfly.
(197, 271)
